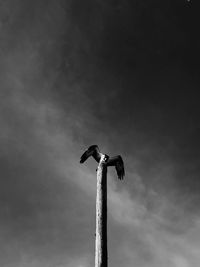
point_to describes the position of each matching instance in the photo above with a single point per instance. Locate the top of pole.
(116, 161)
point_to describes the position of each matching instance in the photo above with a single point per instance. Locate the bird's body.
(114, 161)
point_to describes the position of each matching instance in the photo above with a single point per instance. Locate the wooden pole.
(101, 254)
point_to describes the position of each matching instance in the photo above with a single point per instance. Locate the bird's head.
(106, 158)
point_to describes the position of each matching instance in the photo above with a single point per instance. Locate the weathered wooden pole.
(101, 254)
(104, 161)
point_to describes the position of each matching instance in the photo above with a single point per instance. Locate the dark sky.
(120, 74)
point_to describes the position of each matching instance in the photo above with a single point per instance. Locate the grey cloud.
(60, 92)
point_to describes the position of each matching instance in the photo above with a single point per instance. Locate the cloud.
(144, 236)
(59, 94)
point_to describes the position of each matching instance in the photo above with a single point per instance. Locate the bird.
(94, 152)
(116, 161)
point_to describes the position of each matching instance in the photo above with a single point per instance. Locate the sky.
(120, 74)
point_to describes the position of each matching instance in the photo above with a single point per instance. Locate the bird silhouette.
(116, 161)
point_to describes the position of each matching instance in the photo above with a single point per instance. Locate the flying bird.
(114, 161)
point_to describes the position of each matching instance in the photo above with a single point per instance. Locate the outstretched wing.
(120, 168)
(85, 156)
(91, 151)
(119, 165)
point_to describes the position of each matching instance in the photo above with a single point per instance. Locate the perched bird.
(114, 161)
(94, 152)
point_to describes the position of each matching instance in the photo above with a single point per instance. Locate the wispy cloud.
(146, 239)
(54, 103)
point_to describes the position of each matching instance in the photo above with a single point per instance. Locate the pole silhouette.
(101, 252)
